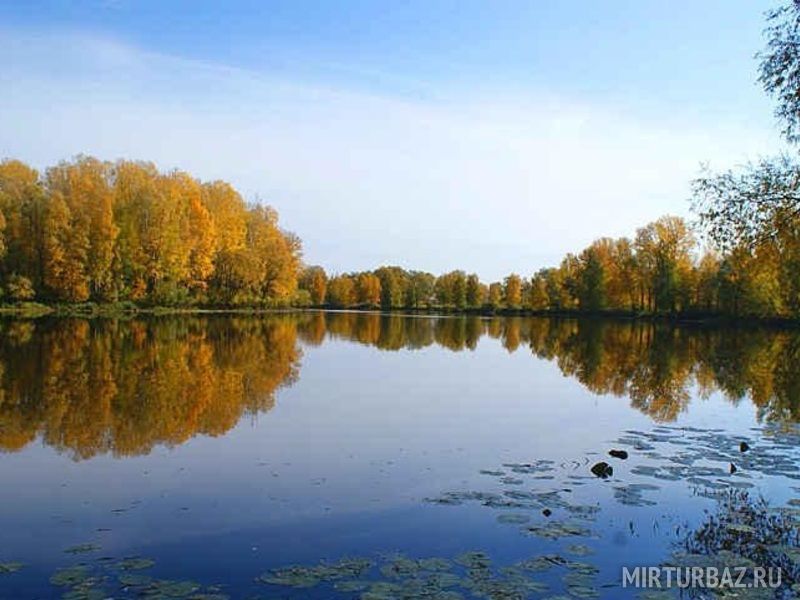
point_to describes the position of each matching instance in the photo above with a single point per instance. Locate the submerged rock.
(621, 454)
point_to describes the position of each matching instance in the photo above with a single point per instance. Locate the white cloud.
(486, 182)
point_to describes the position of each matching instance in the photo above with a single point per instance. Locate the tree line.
(658, 271)
(88, 230)
(661, 270)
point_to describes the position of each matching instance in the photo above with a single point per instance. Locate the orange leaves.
(93, 230)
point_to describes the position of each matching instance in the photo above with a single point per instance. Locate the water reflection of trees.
(92, 387)
(656, 365)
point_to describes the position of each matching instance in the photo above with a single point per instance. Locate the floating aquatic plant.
(304, 576)
(513, 518)
(165, 588)
(580, 550)
(554, 530)
(82, 548)
(134, 580)
(135, 564)
(633, 494)
(296, 576)
(69, 576)
(10, 567)
(474, 560)
(352, 586)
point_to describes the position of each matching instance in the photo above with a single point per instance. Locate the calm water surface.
(201, 457)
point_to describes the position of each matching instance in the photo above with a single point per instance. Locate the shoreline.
(128, 310)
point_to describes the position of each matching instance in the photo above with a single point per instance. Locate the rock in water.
(547, 512)
(621, 454)
(744, 446)
(733, 469)
(602, 470)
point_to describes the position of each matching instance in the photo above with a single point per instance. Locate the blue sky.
(490, 136)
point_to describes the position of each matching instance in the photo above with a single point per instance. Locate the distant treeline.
(97, 231)
(660, 271)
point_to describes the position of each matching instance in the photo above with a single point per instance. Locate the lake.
(360, 455)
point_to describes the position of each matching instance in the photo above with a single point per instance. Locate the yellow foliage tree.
(65, 249)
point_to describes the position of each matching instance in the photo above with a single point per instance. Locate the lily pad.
(70, 576)
(513, 518)
(580, 550)
(82, 548)
(10, 567)
(135, 564)
(134, 580)
(165, 588)
(558, 529)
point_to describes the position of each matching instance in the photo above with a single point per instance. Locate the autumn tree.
(569, 277)
(315, 281)
(84, 186)
(341, 291)
(136, 211)
(495, 295)
(673, 244)
(622, 278)
(474, 291)
(451, 289)
(19, 288)
(419, 289)
(539, 298)
(512, 291)
(202, 240)
(707, 282)
(230, 215)
(368, 289)
(393, 286)
(22, 206)
(64, 254)
(593, 276)
(93, 230)
(2, 235)
(276, 255)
